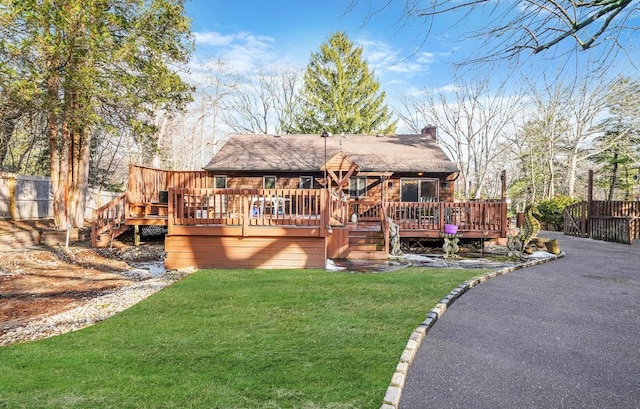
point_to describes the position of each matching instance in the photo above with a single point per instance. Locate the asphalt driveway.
(564, 334)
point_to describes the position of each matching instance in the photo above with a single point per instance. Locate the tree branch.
(614, 8)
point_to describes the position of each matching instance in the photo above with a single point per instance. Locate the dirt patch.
(26, 225)
(47, 281)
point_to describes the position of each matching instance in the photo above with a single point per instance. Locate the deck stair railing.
(386, 228)
(338, 209)
(110, 219)
(366, 210)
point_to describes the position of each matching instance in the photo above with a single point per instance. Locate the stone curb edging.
(394, 391)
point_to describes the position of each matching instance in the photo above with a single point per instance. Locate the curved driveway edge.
(555, 335)
(394, 391)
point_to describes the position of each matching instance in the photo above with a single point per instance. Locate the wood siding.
(283, 251)
(338, 243)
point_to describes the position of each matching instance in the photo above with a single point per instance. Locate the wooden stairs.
(367, 244)
(109, 222)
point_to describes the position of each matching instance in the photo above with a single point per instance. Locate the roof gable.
(340, 162)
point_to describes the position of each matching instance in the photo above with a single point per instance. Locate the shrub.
(552, 210)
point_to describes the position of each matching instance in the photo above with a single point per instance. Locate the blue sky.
(253, 33)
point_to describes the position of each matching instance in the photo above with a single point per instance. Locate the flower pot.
(553, 246)
(540, 242)
(450, 228)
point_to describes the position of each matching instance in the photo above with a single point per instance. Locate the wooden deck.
(268, 228)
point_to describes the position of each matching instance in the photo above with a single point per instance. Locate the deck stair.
(367, 242)
(109, 222)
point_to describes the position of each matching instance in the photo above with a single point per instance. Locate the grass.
(235, 339)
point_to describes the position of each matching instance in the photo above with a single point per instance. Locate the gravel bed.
(94, 310)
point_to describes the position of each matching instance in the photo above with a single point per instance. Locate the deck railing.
(145, 184)
(107, 217)
(304, 207)
(472, 216)
(338, 209)
(475, 216)
(254, 207)
(365, 210)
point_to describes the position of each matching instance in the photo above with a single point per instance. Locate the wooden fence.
(616, 221)
(25, 197)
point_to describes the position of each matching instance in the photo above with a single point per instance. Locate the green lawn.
(235, 339)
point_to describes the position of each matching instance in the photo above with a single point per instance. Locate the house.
(413, 167)
(277, 201)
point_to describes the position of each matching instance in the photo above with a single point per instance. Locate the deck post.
(324, 213)
(136, 235)
(504, 224)
(441, 219)
(245, 213)
(94, 228)
(170, 209)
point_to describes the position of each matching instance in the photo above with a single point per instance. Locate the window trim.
(220, 177)
(435, 181)
(264, 181)
(363, 191)
(301, 184)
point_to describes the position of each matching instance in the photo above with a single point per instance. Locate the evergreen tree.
(620, 144)
(340, 93)
(87, 65)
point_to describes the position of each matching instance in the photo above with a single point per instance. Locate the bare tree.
(563, 122)
(473, 121)
(188, 140)
(511, 27)
(264, 103)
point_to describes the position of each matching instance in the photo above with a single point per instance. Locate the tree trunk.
(79, 185)
(573, 165)
(54, 153)
(7, 126)
(614, 176)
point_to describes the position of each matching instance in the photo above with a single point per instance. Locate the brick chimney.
(430, 130)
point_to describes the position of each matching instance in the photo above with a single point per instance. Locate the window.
(218, 203)
(419, 190)
(358, 187)
(269, 182)
(220, 182)
(306, 182)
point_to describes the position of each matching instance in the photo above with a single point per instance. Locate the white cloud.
(243, 50)
(212, 39)
(447, 89)
(387, 59)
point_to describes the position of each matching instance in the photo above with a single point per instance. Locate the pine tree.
(620, 144)
(341, 94)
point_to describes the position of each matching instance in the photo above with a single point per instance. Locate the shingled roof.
(306, 153)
